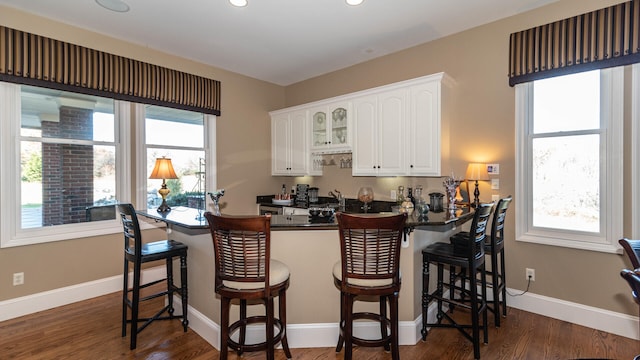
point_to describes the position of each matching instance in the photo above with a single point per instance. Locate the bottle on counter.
(410, 196)
(283, 193)
(400, 195)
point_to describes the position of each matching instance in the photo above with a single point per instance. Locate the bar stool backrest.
(478, 231)
(632, 249)
(497, 224)
(132, 234)
(370, 247)
(242, 246)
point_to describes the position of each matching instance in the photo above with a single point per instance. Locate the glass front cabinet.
(331, 127)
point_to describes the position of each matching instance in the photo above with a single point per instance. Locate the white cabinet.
(399, 129)
(289, 153)
(330, 127)
(379, 133)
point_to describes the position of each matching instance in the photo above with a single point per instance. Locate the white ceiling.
(279, 41)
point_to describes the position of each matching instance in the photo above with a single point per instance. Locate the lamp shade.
(163, 169)
(477, 171)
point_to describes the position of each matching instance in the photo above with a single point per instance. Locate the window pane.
(171, 127)
(64, 115)
(64, 182)
(188, 190)
(567, 103)
(566, 183)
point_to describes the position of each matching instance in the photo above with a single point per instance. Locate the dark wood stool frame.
(470, 257)
(369, 266)
(137, 253)
(242, 255)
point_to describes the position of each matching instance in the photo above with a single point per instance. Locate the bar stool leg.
(224, 327)
(184, 292)
(242, 337)
(269, 328)
(393, 305)
(282, 311)
(135, 301)
(125, 294)
(383, 326)
(348, 327)
(341, 323)
(170, 285)
(425, 296)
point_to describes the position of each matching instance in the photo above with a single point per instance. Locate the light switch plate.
(495, 184)
(493, 169)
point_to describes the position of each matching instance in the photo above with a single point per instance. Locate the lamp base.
(164, 208)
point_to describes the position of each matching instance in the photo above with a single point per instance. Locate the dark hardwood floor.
(91, 330)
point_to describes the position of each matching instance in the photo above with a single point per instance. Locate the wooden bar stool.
(369, 266)
(470, 257)
(494, 248)
(137, 253)
(245, 271)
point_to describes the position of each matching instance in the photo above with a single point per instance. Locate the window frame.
(611, 170)
(10, 231)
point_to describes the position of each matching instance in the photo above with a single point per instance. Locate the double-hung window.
(62, 158)
(181, 136)
(569, 160)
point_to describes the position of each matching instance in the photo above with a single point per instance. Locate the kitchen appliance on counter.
(273, 210)
(313, 195)
(302, 193)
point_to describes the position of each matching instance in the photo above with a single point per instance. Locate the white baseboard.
(324, 334)
(46, 300)
(592, 317)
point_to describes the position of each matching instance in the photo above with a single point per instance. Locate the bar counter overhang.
(310, 250)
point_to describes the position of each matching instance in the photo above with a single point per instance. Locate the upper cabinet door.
(331, 127)
(365, 138)
(392, 138)
(289, 153)
(429, 139)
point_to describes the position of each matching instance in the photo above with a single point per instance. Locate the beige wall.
(482, 126)
(243, 156)
(482, 123)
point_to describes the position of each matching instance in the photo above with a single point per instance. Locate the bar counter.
(310, 250)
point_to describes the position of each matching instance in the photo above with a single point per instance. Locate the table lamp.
(477, 172)
(163, 170)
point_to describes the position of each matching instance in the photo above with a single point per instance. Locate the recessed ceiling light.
(238, 3)
(354, 2)
(114, 5)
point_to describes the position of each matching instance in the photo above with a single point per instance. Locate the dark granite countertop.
(192, 219)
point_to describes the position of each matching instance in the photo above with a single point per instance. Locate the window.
(67, 158)
(178, 135)
(569, 160)
(60, 156)
(183, 137)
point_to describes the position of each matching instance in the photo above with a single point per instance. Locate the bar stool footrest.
(370, 342)
(261, 319)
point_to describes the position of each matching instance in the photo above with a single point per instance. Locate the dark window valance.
(36, 60)
(599, 39)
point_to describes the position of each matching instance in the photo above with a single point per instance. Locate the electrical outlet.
(495, 197)
(393, 194)
(530, 274)
(495, 184)
(18, 278)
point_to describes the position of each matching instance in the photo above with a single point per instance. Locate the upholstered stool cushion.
(278, 273)
(337, 273)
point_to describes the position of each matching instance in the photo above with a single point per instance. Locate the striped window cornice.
(599, 39)
(36, 60)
